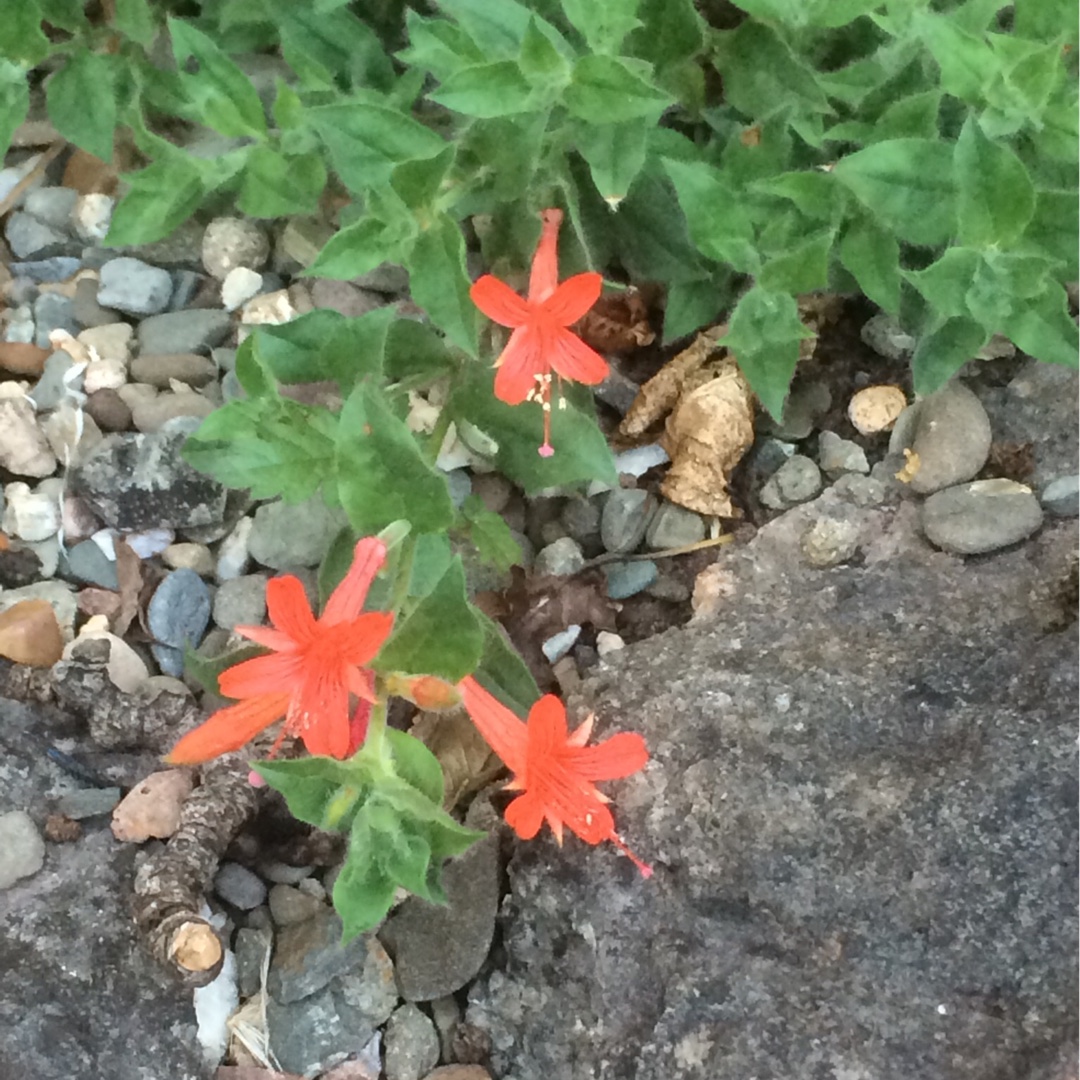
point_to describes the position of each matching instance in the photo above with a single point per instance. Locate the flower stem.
(437, 436)
(375, 743)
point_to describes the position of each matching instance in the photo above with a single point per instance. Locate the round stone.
(626, 517)
(875, 408)
(559, 559)
(23, 848)
(626, 579)
(1061, 497)
(798, 480)
(982, 516)
(179, 610)
(230, 242)
(838, 456)
(674, 527)
(830, 541)
(237, 885)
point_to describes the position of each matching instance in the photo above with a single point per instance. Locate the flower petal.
(361, 683)
(573, 298)
(501, 729)
(361, 639)
(575, 360)
(521, 361)
(278, 673)
(288, 607)
(499, 302)
(268, 638)
(525, 815)
(347, 600)
(228, 729)
(544, 273)
(319, 711)
(618, 756)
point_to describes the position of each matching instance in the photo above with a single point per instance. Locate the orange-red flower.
(555, 771)
(315, 665)
(541, 343)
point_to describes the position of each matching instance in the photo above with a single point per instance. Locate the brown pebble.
(159, 370)
(60, 829)
(109, 410)
(22, 358)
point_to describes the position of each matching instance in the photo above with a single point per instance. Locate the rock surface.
(861, 814)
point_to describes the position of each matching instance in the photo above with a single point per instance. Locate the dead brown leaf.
(89, 175)
(617, 322)
(468, 763)
(706, 436)
(95, 601)
(30, 634)
(129, 577)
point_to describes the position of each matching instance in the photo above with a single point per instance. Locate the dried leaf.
(706, 436)
(152, 807)
(658, 396)
(60, 829)
(468, 763)
(912, 464)
(129, 577)
(617, 322)
(95, 601)
(30, 634)
(90, 175)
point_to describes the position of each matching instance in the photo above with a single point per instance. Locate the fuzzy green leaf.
(486, 90)
(995, 196)
(440, 282)
(277, 185)
(603, 90)
(82, 103)
(160, 198)
(942, 352)
(872, 256)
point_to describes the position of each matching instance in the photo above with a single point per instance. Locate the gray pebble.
(769, 454)
(618, 391)
(626, 579)
(493, 490)
(860, 490)
(412, 1044)
(241, 601)
(558, 645)
(250, 946)
(460, 484)
(283, 873)
(186, 284)
(53, 312)
(626, 517)
(670, 589)
(581, 519)
(85, 308)
(58, 268)
(22, 845)
(673, 527)
(1061, 497)
(196, 330)
(179, 610)
(51, 388)
(134, 287)
(559, 559)
(798, 480)
(237, 885)
(883, 334)
(806, 404)
(169, 659)
(87, 563)
(290, 905)
(981, 516)
(159, 369)
(838, 456)
(230, 242)
(30, 238)
(20, 324)
(285, 536)
(551, 531)
(950, 432)
(830, 541)
(88, 802)
(53, 205)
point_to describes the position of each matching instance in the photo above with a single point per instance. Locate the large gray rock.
(79, 997)
(861, 811)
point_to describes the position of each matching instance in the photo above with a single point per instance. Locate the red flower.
(541, 343)
(308, 678)
(555, 771)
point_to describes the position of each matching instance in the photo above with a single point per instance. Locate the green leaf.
(672, 32)
(499, 29)
(14, 101)
(945, 283)
(1043, 328)
(943, 351)
(413, 349)
(440, 282)
(365, 141)
(1054, 228)
(206, 670)
(335, 565)
(271, 445)
(64, 14)
(356, 249)
(719, 222)
(362, 893)
(1001, 282)
(966, 60)
(906, 183)
(416, 765)
(417, 183)
(690, 305)
(382, 475)
(764, 337)
(486, 90)
(159, 200)
(995, 196)
(602, 25)
(803, 269)
(438, 46)
(135, 20)
(540, 62)
(816, 194)
(82, 104)
(310, 784)
(440, 636)
(21, 37)
(502, 672)
(603, 90)
(431, 560)
(615, 154)
(323, 344)
(872, 256)
(581, 451)
(221, 94)
(506, 149)
(490, 535)
(276, 185)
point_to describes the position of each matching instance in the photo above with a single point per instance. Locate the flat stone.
(136, 482)
(179, 610)
(412, 1044)
(1061, 497)
(195, 330)
(343, 297)
(161, 368)
(23, 848)
(58, 268)
(561, 558)
(798, 480)
(239, 886)
(22, 358)
(285, 536)
(87, 563)
(88, 802)
(625, 519)
(250, 946)
(241, 601)
(558, 645)
(982, 516)
(626, 579)
(151, 415)
(108, 409)
(24, 450)
(86, 310)
(30, 238)
(291, 906)
(53, 205)
(838, 457)
(437, 949)
(134, 287)
(673, 527)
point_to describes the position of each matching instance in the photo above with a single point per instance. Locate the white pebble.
(607, 642)
(239, 286)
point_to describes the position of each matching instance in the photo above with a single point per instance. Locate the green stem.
(437, 436)
(403, 574)
(374, 744)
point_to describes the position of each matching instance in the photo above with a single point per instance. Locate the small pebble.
(30, 515)
(558, 645)
(134, 287)
(626, 579)
(93, 215)
(111, 341)
(289, 906)
(152, 414)
(239, 286)
(625, 519)
(561, 558)
(179, 610)
(241, 601)
(883, 334)
(875, 408)
(412, 1044)
(230, 242)
(53, 205)
(30, 238)
(86, 309)
(806, 404)
(798, 480)
(838, 456)
(670, 589)
(673, 527)
(830, 541)
(194, 330)
(239, 886)
(607, 642)
(88, 802)
(232, 553)
(860, 490)
(161, 369)
(22, 845)
(283, 873)
(250, 946)
(982, 516)
(187, 556)
(53, 312)
(1061, 497)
